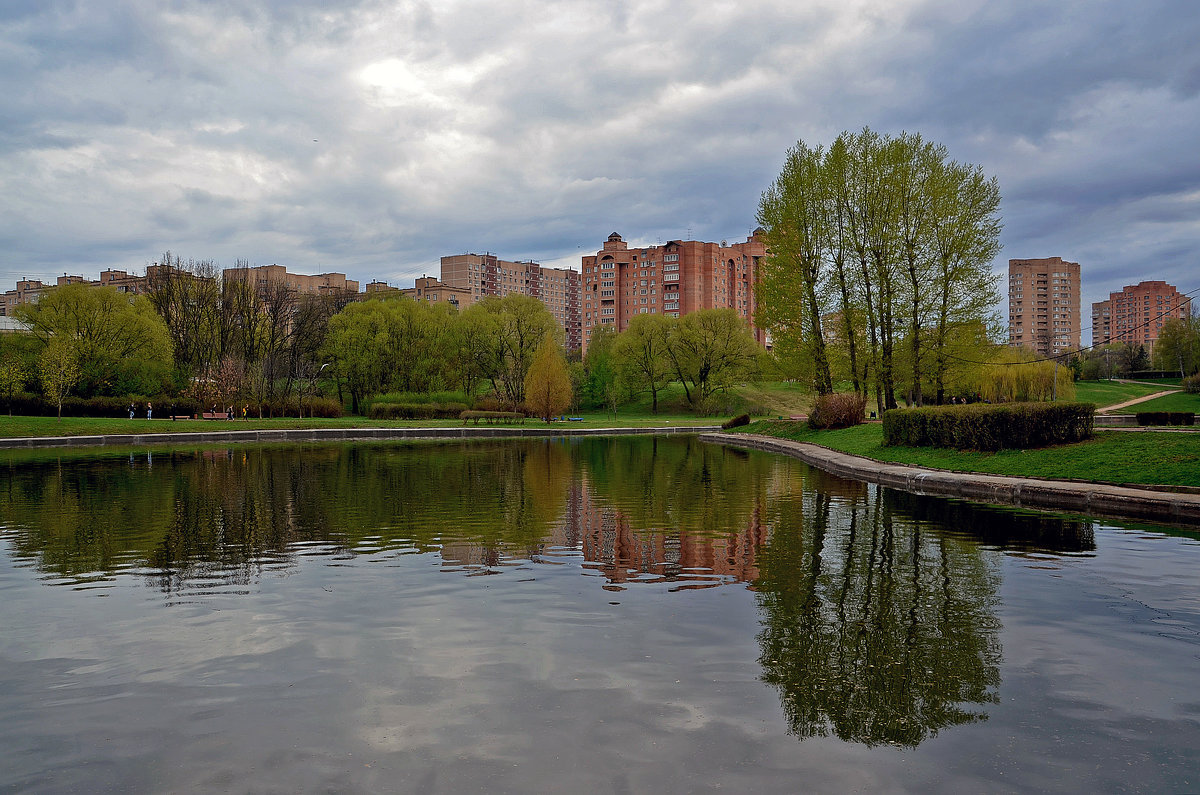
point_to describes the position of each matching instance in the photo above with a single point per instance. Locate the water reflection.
(877, 608)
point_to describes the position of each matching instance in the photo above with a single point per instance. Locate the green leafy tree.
(548, 384)
(59, 370)
(12, 378)
(1178, 346)
(641, 354)
(710, 351)
(121, 343)
(520, 325)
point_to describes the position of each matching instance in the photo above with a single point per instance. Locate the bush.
(416, 411)
(837, 411)
(1192, 384)
(982, 426)
(1166, 418)
(736, 422)
(491, 416)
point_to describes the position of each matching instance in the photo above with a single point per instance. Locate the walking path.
(1057, 495)
(1135, 401)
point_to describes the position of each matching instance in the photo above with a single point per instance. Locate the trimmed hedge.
(492, 416)
(736, 422)
(1166, 418)
(416, 411)
(984, 426)
(837, 411)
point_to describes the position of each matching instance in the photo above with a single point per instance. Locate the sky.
(372, 138)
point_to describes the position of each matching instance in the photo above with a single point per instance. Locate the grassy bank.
(1109, 393)
(20, 427)
(1180, 401)
(1154, 458)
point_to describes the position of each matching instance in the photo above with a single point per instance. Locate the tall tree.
(711, 350)
(59, 370)
(641, 354)
(547, 384)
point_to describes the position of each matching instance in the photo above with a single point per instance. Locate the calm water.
(605, 615)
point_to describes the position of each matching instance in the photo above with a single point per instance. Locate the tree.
(59, 370)
(121, 343)
(12, 378)
(641, 354)
(882, 244)
(520, 325)
(547, 384)
(600, 383)
(1178, 345)
(711, 350)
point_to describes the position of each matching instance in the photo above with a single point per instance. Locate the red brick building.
(674, 279)
(1136, 313)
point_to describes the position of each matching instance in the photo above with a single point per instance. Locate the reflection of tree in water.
(874, 629)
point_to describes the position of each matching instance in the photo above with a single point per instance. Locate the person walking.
(149, 410)
(131, 410)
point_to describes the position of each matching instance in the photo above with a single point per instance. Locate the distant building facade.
(1136, 313)
(1043, 305)
(485, 274)
(432, 291)
(321, 284)
(29, 291)
(674, 279)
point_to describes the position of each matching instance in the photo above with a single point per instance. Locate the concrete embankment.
(1057, 495)
(338, 435)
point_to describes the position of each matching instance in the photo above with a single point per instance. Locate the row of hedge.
(1166, 418)
(106, 406)
(985, 426)
(417, 411)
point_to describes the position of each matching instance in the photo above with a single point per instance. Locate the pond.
(630, 614)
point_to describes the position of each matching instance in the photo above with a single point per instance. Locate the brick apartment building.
(320, 284)
(1136, 313)
(1043, 305)
(432, 291)
(485, 274)
(674, 279)
(29, 290)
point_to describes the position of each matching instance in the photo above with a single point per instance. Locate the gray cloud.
(373, 137)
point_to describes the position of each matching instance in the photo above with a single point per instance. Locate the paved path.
(1057, 495)
(1135, 401)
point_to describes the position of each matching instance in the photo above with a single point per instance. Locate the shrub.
(837, 411)
(1166, 418)
(982, 426)
(416, 411)
(490, 416)
(736, 422)
(1192, 384)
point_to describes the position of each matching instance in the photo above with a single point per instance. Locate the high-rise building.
(1043, 305)
(1136, 313)
(674, 279)
(486, 274)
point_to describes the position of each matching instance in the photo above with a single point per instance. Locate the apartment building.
(432, 291)
(1136, 313)
(320, 284)
(1043, 305)
(486, 274)
(29, 290)
(674, 279)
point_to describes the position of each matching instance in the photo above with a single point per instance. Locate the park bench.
(215, 415)
(181, 416)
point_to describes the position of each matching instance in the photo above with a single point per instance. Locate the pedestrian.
(245, 408)
(149, 410)
(131, 410)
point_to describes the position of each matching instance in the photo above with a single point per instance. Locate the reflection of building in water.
(626, 554)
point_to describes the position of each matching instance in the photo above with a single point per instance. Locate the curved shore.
(335, 435)
(1124, 502)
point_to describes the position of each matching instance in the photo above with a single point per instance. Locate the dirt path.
(1135, 401)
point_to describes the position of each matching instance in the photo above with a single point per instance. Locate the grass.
(1180, 401)
(1144, 457)
(1108, 393)
(15, 427)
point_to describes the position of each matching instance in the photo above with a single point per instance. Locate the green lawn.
(1145, 457)
(1108, 393)
(11, 427)
(1180, 401)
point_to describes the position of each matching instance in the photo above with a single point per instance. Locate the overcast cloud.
(374, 137)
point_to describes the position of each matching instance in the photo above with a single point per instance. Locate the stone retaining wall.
(1058, 495)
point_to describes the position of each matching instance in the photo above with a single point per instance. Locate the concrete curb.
(336, 435)
(1057, 495)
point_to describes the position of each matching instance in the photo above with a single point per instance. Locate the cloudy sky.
(374, 137)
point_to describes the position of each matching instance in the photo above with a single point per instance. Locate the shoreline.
(1124, 502)
(333, 435)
